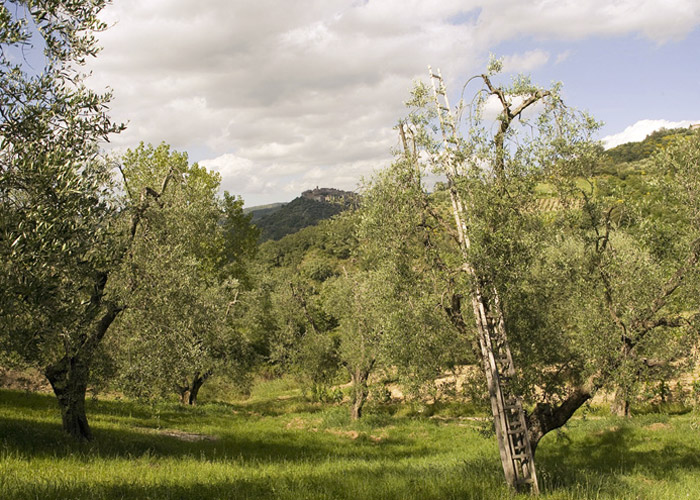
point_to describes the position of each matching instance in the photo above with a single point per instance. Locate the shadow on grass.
(161, 413)
(22, 434)
(608, 456)
(352, 481)
(260, 459)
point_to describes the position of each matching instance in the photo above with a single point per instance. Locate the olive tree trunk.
(189, 392)
(359, 390)
(69, 378)
(547, 417)
(69, 375)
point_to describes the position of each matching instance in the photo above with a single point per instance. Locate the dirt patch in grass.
(609, 430)
(376, 439)
(351, 434)
(379, 438)
(296, 423)
(190, 437)
(658, 426)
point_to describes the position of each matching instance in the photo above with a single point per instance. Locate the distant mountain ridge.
(277, 220)
(259, 211)
(314, 205)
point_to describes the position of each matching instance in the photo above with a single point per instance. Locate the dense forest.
(538, 272)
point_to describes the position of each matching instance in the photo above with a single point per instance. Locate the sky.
(280, 96)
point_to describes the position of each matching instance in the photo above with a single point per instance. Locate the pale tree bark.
(622, 404)
(184, 393)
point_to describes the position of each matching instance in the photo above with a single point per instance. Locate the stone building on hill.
(329, 195)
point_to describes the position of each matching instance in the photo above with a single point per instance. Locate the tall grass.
(267, 447)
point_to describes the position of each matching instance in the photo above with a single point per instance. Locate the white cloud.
(238, 174)
(526, 62)
(638, 131)
(660, 21)
(269, 90)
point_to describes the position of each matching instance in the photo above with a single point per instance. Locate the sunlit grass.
(277, 445)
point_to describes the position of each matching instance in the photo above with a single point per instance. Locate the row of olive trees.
(146, 252)
(330, 309)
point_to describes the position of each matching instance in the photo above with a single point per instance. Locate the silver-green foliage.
(58, 238)
(177, 328)
(57, 210)
(576, 281)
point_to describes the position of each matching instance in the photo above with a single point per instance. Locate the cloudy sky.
(280, 96)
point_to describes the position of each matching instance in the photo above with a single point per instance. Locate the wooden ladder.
(506, 405)
(507, 408)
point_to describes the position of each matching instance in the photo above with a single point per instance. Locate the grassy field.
(276, 445)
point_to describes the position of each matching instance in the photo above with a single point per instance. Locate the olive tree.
(59, 239)
(645, 250)
(179, 281)
(521, 239)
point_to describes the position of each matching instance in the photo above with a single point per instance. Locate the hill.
(260, 211)
(635, 151)
(308, 209)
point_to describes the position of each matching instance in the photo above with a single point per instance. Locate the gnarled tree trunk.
(621, 405)
(184, 392)
(547, 417)
(197, 382)
(69, 379)
(189, 392)
(359, 390)
(69, 375)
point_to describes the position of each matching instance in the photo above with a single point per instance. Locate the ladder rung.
(516, 430)
(521, 456)
(515, 425)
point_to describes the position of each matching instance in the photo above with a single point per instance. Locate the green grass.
(266, 447)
